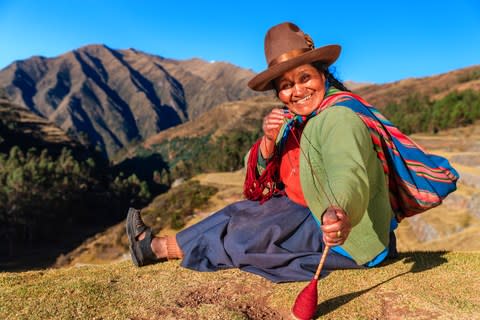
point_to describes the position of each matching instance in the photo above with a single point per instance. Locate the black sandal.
(140, 250)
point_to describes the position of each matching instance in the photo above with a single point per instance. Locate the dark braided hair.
(329, 76)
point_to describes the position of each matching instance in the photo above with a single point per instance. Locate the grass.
(428, 285)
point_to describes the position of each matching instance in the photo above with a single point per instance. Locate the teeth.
(304, 99)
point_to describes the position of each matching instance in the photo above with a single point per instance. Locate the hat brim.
(263, 80)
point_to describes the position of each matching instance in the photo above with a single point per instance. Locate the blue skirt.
(279, 240)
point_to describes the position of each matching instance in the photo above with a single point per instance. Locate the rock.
(471, 159)
(178, 182)
(422, 230)
(456, 201)
(474, 205)
(470, 179)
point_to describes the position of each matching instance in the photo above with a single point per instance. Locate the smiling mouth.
(304, 99)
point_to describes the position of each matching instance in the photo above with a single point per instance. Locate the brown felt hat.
(287, 47)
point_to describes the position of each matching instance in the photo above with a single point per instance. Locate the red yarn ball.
(306, 302)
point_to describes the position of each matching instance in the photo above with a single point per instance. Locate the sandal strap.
(145, 246)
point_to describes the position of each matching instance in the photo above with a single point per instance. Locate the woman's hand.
(336, 226)
(272, 123)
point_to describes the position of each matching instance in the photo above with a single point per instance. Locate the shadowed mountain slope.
(21, 127)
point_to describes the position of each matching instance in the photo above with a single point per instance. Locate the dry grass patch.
(435, 285)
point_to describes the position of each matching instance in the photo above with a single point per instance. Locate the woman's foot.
(144, 247)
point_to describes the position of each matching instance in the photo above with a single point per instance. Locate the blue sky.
(382, 41)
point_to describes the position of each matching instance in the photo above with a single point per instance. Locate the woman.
(317, 177)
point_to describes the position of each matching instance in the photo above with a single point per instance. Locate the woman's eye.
(305, 77)
(285, 86)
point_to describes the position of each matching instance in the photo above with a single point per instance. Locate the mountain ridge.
(120, 96)
(435, 86)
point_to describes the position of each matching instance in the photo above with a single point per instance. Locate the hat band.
(288, 55)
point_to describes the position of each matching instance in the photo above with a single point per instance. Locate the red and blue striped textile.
(417, 181)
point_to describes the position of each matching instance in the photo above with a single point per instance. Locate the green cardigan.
(340, 151)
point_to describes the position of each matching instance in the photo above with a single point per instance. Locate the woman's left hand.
(336, 226)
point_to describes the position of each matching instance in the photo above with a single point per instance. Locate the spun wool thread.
(306, 302)
(263, 187)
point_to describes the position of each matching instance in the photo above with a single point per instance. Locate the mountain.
(434, 87)
(352, 85)
(229, 116)
(20, 126)
(209, 84)
(115, 97)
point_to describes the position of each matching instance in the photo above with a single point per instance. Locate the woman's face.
(301, 89)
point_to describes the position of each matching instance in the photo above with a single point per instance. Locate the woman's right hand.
(272, 123)
(336, 226)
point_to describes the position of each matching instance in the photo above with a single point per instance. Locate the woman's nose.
(298, 89)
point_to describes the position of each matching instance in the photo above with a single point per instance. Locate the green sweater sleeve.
(338, 147)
